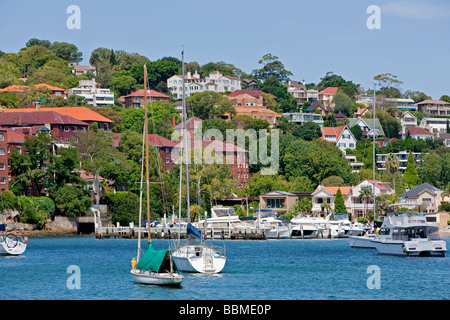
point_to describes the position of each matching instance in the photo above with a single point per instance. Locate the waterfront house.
(360, 205)
(323, 198)
(326, 96)
(366, 125)
(324, 109)
(81, 113)
(97, 97)
(303, 117)
(216, 82)
(165, 148)
(136, 99)
(301, 93)
(426, 195)
(341, 136)
(445, 137)
(434, 125)
(408, 120)
(281, 201)
(434, 107)
(248, 105)
(402, 157)
(416, 133)
(402, 104)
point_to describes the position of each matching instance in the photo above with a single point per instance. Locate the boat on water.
(339, 226)
(10, 244)
(407, 233)
(155, 267)
(274, 228)
(196, 255)
(364, 241)
(308, 227)
(199, 256)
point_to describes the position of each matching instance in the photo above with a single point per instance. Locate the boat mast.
(140, 196)
(373, 151)
(146, 153)
(185, 140)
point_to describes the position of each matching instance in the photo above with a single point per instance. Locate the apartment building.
(97, 97)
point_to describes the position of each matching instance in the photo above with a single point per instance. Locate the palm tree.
(392, 164)
(365, 194)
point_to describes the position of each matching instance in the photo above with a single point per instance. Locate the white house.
(426, 195)
(341, 136)
(216, 82)
(323, 198)
(434, 125)
(408, 120)
(360, 206)
(97, 97)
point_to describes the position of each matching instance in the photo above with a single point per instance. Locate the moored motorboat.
(409, 234)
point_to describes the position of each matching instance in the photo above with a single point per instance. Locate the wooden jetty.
(171, 232)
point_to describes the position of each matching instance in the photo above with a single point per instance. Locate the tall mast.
(373, 149)
(185, 141)
(140, 196)
(147, 183)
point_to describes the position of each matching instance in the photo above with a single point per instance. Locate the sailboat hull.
(198, 259)
(15, 250)
(162, 279)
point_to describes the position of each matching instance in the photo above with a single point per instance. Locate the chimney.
(304, 82)
(173, 122)
(189, 75)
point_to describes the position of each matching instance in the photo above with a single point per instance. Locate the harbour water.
(255, 270)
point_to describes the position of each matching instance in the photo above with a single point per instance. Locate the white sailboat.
(10, 244)
(155, 267)
(196, 255)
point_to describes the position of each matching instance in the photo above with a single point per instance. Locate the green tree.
(339, 202)
(123, 207)
(72, 201)
(67, 51)
(209, 105)
(272, 67)
(410, 176)
(95, 148)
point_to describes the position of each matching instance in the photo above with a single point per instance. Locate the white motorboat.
(338, 226)
(274, 228)
(364, 241)
(409, 234)
(10, 244)
(307, 227)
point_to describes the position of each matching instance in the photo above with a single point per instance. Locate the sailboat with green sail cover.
(155, 266)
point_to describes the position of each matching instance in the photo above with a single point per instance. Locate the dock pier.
(171, 232)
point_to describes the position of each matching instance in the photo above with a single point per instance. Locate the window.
(167, 160)
(66, 128)
(2, 137)
(2, 151)
(2, 166)
(275, 203)
(2, 179)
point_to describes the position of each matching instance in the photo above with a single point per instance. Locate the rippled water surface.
(278, 269)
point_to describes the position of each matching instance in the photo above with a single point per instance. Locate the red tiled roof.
(20, 88)
(333, 190)
(331, 131)
(36, 118)
(53, 88)
(417, 131)
(14, 88)
(158, 141)
(426, 102)
(80, 113)
(329, 90)
(255, 93)
(150, 93)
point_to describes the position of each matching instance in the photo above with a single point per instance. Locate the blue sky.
(309, 37)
